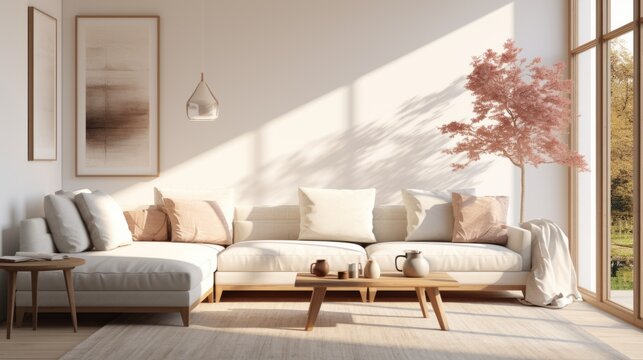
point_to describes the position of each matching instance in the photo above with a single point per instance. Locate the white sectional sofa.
(265, 255)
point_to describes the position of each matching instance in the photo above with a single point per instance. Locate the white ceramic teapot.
(415, 265)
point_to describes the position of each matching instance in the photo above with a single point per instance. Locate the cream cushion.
(446, 256)
(429, 214)
(66, 224)
(336, 215)
(289, 255)
(142, 266)
(223, 197)
(104, 219)
(282, 223)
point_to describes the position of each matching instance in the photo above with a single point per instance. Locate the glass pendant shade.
(202, 105)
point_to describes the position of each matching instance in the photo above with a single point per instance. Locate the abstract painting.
(117, 123)
(42, 100)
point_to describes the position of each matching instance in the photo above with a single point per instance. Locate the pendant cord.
(202, 37)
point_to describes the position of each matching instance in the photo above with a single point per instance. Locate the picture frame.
(117, 95)
(42, 93)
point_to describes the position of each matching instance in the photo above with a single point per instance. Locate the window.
(620, 116)
(605, 217)
(586, 181)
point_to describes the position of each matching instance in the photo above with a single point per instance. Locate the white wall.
(23, 183)
(334, 94)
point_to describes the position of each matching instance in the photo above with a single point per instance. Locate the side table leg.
(34, 299)
(11, 300)
(69, 282)
(436, 302)
(315, 304)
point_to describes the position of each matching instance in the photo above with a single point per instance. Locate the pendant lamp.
(202, 105)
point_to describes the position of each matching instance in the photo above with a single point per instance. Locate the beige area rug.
(346, 330)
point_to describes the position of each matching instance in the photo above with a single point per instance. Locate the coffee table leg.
(315, 304)
(11, 300)
(436, 302)
(69, 282)
(34, 300)
(422, 301)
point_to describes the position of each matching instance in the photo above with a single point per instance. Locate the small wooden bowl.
(342, 274)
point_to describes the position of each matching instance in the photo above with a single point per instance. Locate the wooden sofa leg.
(211, 296)
(20, 315)
(218, 291)
(371, 294)
(364, 294)
(185, 316)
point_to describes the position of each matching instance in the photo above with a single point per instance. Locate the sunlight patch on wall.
(378, 129)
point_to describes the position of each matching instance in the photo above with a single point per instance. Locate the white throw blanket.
(552, 281)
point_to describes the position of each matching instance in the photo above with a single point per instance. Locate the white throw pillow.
(104, 219)
(429, 214)
(223, 197)
(339, 215)
(65, 223)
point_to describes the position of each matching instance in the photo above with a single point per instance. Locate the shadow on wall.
(284, 55)
(10, 235)
(407, 149)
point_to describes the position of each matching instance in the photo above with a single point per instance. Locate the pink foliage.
(520, 120)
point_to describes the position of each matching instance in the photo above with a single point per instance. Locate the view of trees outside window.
(621, 117)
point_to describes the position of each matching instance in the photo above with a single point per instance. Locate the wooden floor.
(55, 336)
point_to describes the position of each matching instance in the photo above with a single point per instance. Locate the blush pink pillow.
(479, 219)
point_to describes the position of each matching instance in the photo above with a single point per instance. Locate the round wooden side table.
(66, 265)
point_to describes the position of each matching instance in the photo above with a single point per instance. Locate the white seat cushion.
(144, 265)
(447, 256)
(289, 255)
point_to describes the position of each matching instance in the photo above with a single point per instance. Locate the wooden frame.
(40, 89)
(156, 109)
(600, 43)
(184, 311)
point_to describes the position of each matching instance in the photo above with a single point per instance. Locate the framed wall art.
(117, 96)
(42, 44)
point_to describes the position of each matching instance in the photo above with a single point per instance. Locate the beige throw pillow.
(429, 214)
(223, 197)
(480, 219)
(337, 215)
(147, 224)
(197, 221)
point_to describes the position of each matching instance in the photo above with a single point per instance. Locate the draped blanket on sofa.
(552, 281)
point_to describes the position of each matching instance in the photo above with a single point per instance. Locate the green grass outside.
(622, 248)
(623, 279)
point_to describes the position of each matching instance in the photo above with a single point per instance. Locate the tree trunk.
(522, 194)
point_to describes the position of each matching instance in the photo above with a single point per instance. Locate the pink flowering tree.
(521, 110)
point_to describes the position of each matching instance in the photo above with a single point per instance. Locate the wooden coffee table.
(430, 284)
(66, 265)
